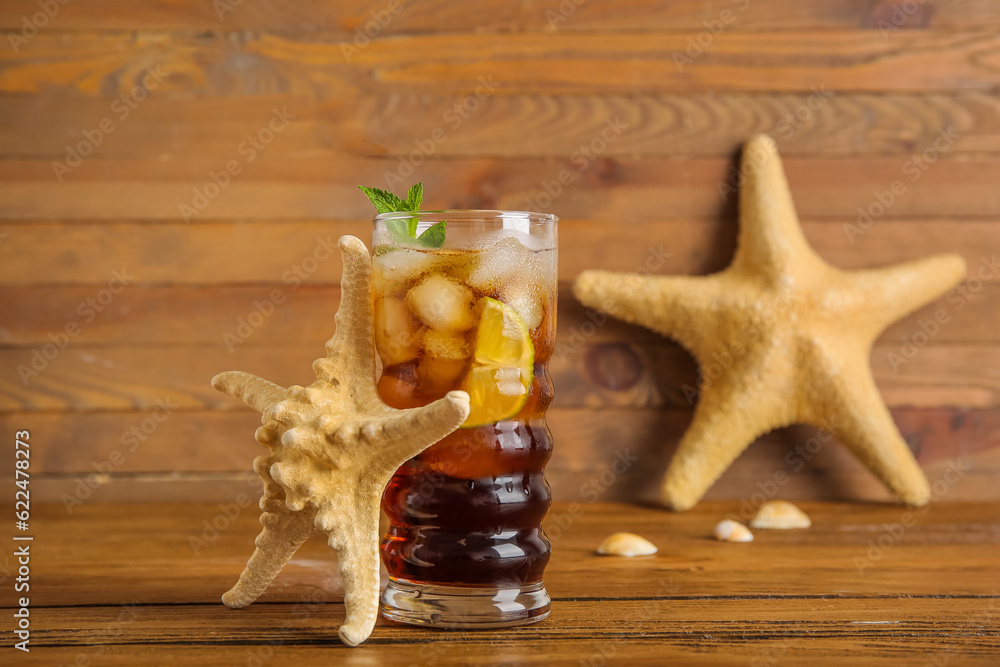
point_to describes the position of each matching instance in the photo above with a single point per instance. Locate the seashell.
(781, 515)
(626, 544)
(732, 531)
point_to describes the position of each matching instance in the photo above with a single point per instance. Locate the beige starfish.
(334, 446)
(781, 336)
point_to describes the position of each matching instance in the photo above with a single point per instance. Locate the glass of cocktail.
(474, 310)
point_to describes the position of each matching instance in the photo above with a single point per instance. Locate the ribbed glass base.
(464, 607)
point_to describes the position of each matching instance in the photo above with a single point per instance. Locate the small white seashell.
(732, 531)
(626, 544)
(780, 515)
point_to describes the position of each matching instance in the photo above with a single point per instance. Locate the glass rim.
(465, 215)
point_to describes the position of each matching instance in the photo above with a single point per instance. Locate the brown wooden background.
(891, 76)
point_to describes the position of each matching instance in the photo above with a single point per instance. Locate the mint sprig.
(405, 229)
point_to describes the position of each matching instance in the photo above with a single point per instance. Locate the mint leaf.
(415, 197)
(433, 236)
(385, 202)
(400, 229)
(404, 230)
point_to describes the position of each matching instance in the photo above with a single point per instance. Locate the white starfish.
(334, 446)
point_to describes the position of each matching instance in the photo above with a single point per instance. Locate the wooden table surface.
(140, 584)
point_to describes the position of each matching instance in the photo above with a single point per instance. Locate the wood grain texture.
(856, 92)
(119, 592)
(286, 254)
(147, 314)
(607, 190)
(186, 455)
(847, 60)
(815, 122)
(508, 123)
(431, 16)
(96, 63)
(652, 374)
(222, 441)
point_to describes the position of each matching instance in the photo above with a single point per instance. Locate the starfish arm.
(727, 419)
(352, 344)
(409, 432)
(354, 535)
(258, 393)
(283, 532)
(771, 243)
(882, 296)
(669, 305)
(853, 410)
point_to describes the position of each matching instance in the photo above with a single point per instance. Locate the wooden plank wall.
(115, 116)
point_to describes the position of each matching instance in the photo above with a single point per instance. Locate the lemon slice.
(502, 366)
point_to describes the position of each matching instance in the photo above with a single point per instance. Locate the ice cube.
(516, 233)
(442, 304)
(393, 268)
(508, 381)
(527, 304)
(498, 263)
(546, 266)
(445, 345)
(530, 243)
(443, 364)
(397, 331)
(436, 376)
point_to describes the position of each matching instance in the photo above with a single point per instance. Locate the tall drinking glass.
(465, 547)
